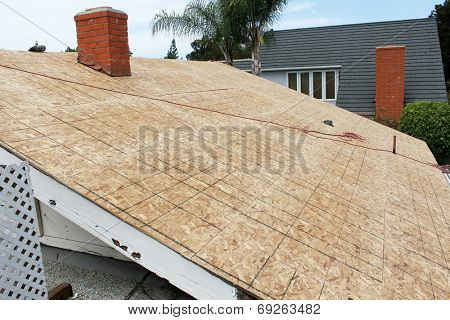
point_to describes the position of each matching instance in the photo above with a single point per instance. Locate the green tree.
(255, 19)
(173, 51)
(212, 20)
(205, 49)
(442, 15)
(69, 49)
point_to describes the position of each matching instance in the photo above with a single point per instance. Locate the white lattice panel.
(21, 266)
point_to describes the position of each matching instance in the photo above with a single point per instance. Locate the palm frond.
(273, 11)
(258, 15)
(198, 18)
(178, 24)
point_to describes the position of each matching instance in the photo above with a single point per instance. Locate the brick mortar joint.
(391, 48)
(105, 49)
(89, 17)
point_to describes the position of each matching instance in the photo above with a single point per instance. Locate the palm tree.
(256, 18)
(208, 19)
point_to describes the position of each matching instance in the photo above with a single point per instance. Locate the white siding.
(276, 76)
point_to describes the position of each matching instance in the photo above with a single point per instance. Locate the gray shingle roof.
(353, 47)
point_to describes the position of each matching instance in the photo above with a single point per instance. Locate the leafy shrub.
(430, 122)
(391, 123)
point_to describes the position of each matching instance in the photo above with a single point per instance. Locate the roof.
(353, 48)
(340, 221)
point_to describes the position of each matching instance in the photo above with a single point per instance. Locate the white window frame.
(287, 79)
(311, 91)
(324, 82)
(311, 83)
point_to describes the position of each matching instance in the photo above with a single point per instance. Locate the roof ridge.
(358, 24)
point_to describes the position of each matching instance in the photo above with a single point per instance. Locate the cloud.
(294, 7)
(56, 17)
(298, 22)
(302, 14)
(144, 44)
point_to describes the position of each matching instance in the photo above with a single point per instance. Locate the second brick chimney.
(103, 40)
(390, 82)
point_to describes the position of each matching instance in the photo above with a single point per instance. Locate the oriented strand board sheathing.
(337, 222)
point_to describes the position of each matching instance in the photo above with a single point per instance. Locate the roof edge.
(141, 248)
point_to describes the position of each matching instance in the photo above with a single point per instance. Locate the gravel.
(99, 278)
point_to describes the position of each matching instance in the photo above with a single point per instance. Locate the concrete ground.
(98, 278)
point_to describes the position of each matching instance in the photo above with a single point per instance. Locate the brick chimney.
(103, 40)
(390, 82)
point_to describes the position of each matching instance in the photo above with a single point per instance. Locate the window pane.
(305, 82)
(331, 85)
(317, 85)
(292, 81)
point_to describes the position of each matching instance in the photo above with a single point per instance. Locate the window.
(330, 85)
(305, 82)
(292, 81)
(321, 84)
(317, 85)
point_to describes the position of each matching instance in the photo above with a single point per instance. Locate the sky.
(55, 17)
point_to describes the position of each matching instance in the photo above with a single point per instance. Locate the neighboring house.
(338, 65)
(225, 184)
